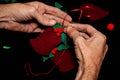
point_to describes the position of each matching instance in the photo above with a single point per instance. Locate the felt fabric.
(90, 10)
(45, 42)
(64, 60)
(48, 41)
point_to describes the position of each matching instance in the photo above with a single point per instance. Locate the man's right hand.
(90, 49)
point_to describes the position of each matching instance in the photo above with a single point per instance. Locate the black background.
(12, 60)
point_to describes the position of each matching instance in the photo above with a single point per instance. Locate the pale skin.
(90, 44)
(90, 48)
(11, 16)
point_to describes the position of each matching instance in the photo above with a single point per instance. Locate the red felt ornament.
(47, 42)
(64, 60)
(93, 12)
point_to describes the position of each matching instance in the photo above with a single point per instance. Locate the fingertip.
(52, 22)
(72, 32)
(38, 30)
(68, 18)
(70, 25)
(69, 30)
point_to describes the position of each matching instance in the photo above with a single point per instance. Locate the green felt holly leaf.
(13, 1)
(47, 57)
(61, 47)
(58, 25)
(58, 5)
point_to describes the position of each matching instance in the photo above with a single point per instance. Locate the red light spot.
(110, 26)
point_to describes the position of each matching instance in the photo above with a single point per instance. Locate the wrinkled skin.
(90, 48)
(12, 16)
(90, 44)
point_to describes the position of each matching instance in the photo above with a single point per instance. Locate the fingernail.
(70, 25)
(52, 22)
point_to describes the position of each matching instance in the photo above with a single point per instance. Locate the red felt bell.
(64, 60)
(45, 42)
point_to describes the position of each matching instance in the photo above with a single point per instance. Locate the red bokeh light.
(110, 26)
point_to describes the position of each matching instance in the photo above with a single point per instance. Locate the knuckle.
(88, 25)
(103, 37)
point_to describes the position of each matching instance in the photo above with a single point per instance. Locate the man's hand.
(90, 47)
(12, 16)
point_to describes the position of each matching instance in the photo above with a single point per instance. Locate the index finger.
(86, 28)
(57, 12)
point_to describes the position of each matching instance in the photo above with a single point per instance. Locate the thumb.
(72, 32)
(79, 40)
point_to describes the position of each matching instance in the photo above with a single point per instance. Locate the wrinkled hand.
(90, 48)
(12, 16)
